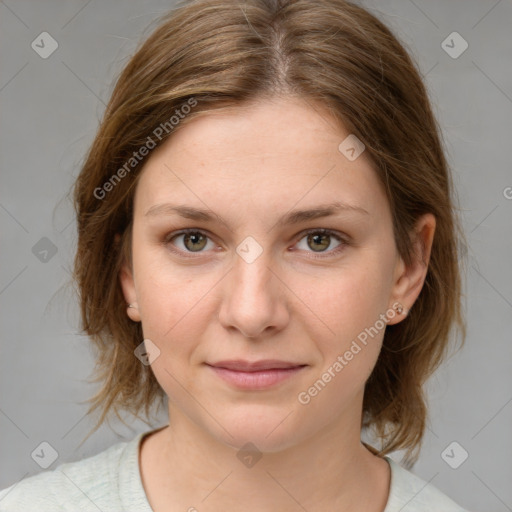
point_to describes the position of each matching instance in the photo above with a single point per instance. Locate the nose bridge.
(252, 275)
(253, 301)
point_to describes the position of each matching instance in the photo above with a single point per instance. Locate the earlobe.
(133, 312)
(410, 278)
(128, 286)
(127, 280)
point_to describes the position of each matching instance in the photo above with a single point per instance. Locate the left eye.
(319, 240)
(316, 240)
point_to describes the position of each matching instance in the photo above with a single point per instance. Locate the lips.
(255, 375)
(240, 365)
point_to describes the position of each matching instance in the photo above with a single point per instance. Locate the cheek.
(169, 297)
(351, 299)
(161, 282)
(352, 305)
(174, 312)
(171, 307)
(350, 348)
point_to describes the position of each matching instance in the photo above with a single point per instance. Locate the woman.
(267, 245)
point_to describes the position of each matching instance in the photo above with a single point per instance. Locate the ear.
(128, 286)
(409, 279)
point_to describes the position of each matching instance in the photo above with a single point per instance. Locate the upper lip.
(248, 366)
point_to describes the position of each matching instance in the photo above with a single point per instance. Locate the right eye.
(192, 240)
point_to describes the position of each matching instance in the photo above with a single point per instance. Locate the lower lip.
(256, 380)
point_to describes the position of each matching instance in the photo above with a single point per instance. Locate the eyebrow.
(293, 217)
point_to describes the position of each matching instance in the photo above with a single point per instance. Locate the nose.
(254, 299)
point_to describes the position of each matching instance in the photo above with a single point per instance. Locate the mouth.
(256, 375)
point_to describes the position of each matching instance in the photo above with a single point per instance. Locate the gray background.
(51, 109)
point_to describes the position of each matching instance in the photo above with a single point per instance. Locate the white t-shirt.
(110, 482)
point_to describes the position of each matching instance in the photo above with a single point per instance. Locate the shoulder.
(86, 485)
(410, 493)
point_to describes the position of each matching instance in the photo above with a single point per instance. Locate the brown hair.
(223, 53)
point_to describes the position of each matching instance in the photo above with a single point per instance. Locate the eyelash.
(319, 255)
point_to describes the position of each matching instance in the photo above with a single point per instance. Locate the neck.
(186, 466)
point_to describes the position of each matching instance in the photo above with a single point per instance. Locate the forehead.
(288, 127)
(275, 153)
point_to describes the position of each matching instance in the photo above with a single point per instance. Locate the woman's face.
(255, 280)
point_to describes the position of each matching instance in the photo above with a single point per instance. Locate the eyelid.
(185, 231)
(343, 239)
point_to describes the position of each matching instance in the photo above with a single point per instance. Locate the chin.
(267, 432)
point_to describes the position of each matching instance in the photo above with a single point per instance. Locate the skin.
(251, 165)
